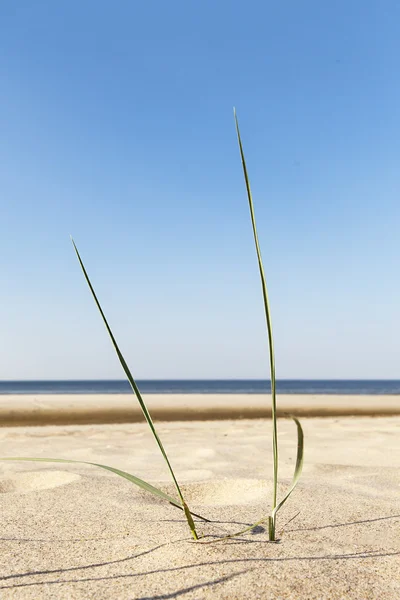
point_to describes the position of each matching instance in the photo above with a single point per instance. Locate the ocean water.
(204, 386)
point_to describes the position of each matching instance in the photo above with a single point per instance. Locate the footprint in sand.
(32, 481)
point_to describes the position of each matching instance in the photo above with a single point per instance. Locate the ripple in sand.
(23, 483)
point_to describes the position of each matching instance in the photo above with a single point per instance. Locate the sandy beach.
(64, 409)
(77, 532)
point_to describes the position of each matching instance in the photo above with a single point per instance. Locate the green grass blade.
(267, 317)
(298, 466)
(139, 398)
(139, 482)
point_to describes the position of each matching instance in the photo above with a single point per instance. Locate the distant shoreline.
(74, 409)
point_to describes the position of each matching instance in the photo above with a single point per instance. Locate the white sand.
(78, 532)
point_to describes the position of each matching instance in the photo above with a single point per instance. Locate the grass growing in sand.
(143, 406)
(300, 436)
(181, 504)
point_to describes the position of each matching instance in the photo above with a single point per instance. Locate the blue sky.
(116, 126)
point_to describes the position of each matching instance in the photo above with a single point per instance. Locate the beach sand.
(77, 532)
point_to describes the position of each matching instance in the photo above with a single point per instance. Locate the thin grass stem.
(138, 395)
(269, 330)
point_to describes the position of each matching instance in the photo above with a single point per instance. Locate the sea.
(205, 386)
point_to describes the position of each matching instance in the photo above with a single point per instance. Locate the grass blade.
(139, 482)
(267, 310)
(139, 398)
(267, 317)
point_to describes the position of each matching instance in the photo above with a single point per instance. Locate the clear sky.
(116, 126)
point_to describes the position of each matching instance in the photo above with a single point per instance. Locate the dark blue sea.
(205, 386)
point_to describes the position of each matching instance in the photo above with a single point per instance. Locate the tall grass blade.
(139, 482)
(296, 476)
(140, 399)
(267, 310)
(267, 317)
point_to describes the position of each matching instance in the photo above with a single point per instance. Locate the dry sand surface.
(78, 532)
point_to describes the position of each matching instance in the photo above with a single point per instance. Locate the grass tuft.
(181, 504)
